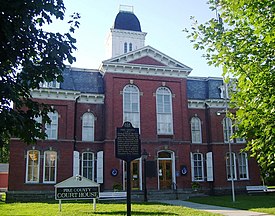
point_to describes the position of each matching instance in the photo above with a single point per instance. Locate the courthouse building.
(177, 116)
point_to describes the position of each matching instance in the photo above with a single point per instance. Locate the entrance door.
(165, 174)
(135, 175)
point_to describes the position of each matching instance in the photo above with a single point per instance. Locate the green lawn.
(80, 209)
(259, 203)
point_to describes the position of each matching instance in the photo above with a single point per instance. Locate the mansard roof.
(82, 80)
(202, 88)
(146, 61)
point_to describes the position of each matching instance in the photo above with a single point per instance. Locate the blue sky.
(163, 20)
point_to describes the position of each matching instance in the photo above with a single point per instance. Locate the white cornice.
(58, 94)
(140, 69)
(196, 104)
(211, 103)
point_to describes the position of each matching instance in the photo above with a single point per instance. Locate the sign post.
(128, 148)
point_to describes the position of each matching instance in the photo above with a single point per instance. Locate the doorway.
(135, 175)
(166, 171)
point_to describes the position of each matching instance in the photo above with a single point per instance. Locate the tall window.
(197, 167)
(88, 122)
(164, 111)
(131, 105)
(52, 128)
(130, 47)
(196, 130)
(50, 163)
(32, 169)
(227, 129)
(228, 170)
(243, 165)
(125, 47)
(88, 165)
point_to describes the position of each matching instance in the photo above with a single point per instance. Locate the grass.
(259, 203)
(79, 209)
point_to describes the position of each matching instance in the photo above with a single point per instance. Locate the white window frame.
(243, 165)
(198, 168)
(84, 169)
(131, 105)
(125, 47)
(130, 47)
(53, 84)
(227, 134)
(196, 130)
(52, 128)
(164, 111)
(50, 166)
(30, 165)
(88, 127)
(228, 173)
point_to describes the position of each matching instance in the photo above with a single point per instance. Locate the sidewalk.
(214, 209)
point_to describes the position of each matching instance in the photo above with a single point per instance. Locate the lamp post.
(228, 139)
(144, 157)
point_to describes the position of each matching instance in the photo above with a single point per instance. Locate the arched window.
(164, 111)
(88, 165)
(197, 166)
(32, 166)
(125, 47)
(196, 130)
(52, 128)
(227, 129)
(130, 47)
(243, 166)
(50, 167)
(233, 165)
(88, 122)
(131, 105)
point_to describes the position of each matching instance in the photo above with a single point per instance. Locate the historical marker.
(128, 142)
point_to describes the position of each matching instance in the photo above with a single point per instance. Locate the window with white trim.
(243, 166)
(164, 111)
(88, 123)
(32, 166)
(227, 129)
(197, 167)
(228, 170)
(88, 165)
(130, 47)
(52, 128)
(196, 130)
(50, 167)
(131, 105)
(52, 84)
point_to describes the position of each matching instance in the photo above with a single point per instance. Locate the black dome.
(127, 21)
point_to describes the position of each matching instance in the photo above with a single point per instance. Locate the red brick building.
(176, 115)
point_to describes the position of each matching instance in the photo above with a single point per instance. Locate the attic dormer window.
(52, 84)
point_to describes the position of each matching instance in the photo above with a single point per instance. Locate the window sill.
(165, 136)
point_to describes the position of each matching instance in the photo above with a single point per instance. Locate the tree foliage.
(29, 55)
(241, 40)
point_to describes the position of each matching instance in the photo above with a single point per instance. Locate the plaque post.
(127, 148)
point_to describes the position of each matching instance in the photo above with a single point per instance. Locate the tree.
(241, 40)
(29, 56)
